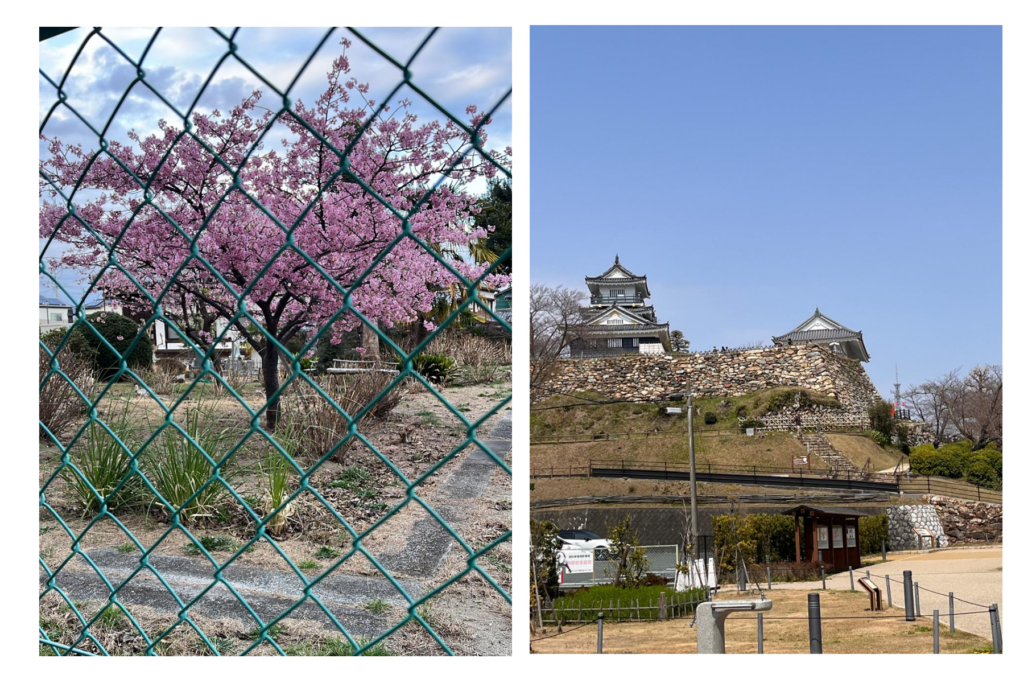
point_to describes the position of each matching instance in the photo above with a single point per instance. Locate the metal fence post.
(952, 616)
(888, 590)
(822, 577)
(917, 598)
(769, 577)
(908, 595)
(883, 550)
(935, 631)
(814, 622)
(760, 633)
(851, 579)
(600, 632)
(993, 617)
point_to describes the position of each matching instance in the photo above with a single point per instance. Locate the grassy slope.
(863, 449)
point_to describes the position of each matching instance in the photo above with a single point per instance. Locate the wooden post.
(662, 607)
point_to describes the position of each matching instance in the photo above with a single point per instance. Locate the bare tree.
(969, 406)
(554, 321)
(976, 405)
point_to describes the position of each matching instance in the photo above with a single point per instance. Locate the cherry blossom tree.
(268, 221)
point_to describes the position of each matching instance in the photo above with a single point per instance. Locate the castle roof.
(618, 274)
(820, 329)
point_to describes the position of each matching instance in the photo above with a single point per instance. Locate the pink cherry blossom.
(335, 224)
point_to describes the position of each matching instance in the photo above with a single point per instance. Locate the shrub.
(179, 470)
(879, 438)
(104, 464)
(76, 341)
(981, 473)
(119, 331)
(60, 406)
(873, 530)
(710, 418)
(757, 537)
(882, 420)
(752, 423)
(587, 602)
(434, 367)
(170, 366)
(316, 426)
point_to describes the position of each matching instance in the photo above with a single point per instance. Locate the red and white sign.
(578, 561)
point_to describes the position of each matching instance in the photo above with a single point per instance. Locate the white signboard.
(578, 561)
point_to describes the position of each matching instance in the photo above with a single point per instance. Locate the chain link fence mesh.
(64, 467)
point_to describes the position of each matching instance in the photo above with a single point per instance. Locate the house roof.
(51, 301)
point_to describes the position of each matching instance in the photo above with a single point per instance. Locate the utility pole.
(693, 463)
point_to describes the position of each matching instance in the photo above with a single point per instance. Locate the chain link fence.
(117, 204)
(663, 560)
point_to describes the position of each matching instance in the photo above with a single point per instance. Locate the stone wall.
(903, 519)
(726, 373)
(968, 521)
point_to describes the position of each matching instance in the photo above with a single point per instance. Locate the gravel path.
(973, 574)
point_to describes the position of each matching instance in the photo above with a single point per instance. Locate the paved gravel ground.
(973, 574)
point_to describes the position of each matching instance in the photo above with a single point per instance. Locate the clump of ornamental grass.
(275, 480)
(182, 473)
(104, 465)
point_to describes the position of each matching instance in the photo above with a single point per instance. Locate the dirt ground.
(785, 632)
(414, 437)
(971, 574)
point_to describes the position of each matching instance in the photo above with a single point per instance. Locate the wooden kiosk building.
(829, 536)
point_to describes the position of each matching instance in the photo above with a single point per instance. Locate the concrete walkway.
(971, 573)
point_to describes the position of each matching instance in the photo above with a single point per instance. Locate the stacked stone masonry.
(904, 520)
(729, 373)
(968, 521)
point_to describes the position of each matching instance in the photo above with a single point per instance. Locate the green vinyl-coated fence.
(107, 244)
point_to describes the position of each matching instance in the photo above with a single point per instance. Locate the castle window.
(614, 343)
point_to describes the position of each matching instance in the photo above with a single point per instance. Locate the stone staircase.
(819, 445)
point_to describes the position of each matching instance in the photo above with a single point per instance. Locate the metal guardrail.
(755, 475)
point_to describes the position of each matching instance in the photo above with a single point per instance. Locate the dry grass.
(864, 452)
(887, 633)
(773, 449)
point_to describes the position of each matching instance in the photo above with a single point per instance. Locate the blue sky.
(458, 67)
(755, 173)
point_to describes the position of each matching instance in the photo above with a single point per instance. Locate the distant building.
(54, 313)
(503, 303)
(619, 320)
(820, 330)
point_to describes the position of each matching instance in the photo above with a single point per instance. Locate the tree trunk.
(271, 383)
(371, 344)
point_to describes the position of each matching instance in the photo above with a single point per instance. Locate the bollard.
(883, 550)
(600, 632)
(814, 622)
(935, 631)
(769, 577)
(993, 617)
(917, 598)
(888, 590)
(851, 579)
(908, 594)
(822, 577)
(760, 633)
(952, 616)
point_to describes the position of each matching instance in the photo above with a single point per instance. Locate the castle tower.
(619, 320)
